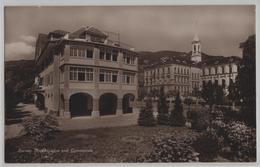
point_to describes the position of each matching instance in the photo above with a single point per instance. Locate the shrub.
(217, 114)
(208, 145)
(229, 114)
(42, 127)
(199, 120)
(242, 140)
(163, 113)
(163, 118)
(146, 117)
(219, 127)
(171, 149)
(176, 117)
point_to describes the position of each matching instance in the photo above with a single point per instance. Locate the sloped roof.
(181, 59)
(87, 30)
(95, 32)
(196, 38)
(58, 33)
(42, 38)
(218, 60)
(61, 32)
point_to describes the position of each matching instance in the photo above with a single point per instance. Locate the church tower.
(196, 49)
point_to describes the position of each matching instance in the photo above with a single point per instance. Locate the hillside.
(19, 78)
(21, 70)
(147, 58)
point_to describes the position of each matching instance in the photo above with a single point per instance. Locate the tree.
(233, 94)
(176, 117)
(208, 93)
(142, 93)
(247, 81)
(188, 101)
(146, 117)
(163, 112)
(219, 94)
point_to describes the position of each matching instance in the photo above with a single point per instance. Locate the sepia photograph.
(130, 84)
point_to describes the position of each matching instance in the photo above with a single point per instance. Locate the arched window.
(212, 71)
(108, 104)
(81, 104)
(127, 102)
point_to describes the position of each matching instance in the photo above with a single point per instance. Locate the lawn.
(117, 144)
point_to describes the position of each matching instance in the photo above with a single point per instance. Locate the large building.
(187, 73)
(85, 73)
(174, 73)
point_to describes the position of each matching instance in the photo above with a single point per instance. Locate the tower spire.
(196, 38)
(196, 49)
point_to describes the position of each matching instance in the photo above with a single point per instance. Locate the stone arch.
(234, 68)
(226, 69)
(206, 71)
(212, 71)
(93, 95)
(220, 70)
(80, 104)
(126, 103)
(108, 104)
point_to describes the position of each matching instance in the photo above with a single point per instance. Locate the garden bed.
(95, 145)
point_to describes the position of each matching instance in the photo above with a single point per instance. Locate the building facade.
(85, 73)
(221, 71)
(187, 73)
(174, 75)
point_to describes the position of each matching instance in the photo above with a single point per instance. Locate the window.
(128, 59)
(72, 51)
(128, 78)
(108, 56)
(108, 76)
(73, 73)
(81, 74)
(114, 77)
(76, 53)
(84, 53)
(114, 55)
(101, 77)
(168, 73)
(102, 55)
(89, 53)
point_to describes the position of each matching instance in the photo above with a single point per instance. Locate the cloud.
(28, 39)
(18, 51)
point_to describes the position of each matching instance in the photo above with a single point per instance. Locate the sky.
(146, 28)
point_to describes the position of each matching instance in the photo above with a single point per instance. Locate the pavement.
(80, 123)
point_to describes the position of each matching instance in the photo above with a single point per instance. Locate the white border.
(128, 3)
